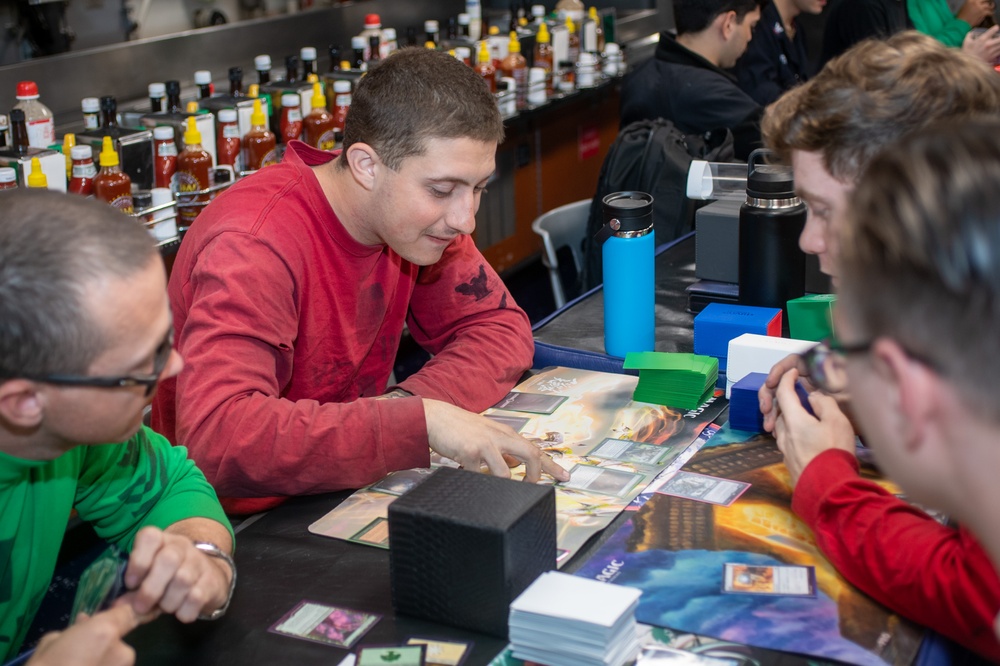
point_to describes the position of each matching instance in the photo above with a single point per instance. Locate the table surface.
(280, 563)
(580, 323)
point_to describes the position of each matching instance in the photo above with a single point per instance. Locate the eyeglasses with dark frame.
(826, 365)
(160, 358)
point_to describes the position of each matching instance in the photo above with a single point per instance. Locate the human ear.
(727, 24)
(21, 404)
(364, 163)
(913, 391)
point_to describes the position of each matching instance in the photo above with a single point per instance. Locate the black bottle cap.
(768, 181)
(108, 103)
(235, 73)
(16, 115)
(173, 87)
(633, 210)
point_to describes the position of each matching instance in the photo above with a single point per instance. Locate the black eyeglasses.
(160, 358)
(826, 363)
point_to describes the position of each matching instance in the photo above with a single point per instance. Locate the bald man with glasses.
(85, 336)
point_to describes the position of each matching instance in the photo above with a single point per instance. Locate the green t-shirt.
(117, 488)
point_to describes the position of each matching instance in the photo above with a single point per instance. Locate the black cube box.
(463, 545)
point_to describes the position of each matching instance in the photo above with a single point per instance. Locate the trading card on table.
(442, 652)
(375, 533)
(100, 584)
(661, 655)
(602, 480)
(322, 623)
(397, 655)
(628, 451)
(704, 488)
(533, 403)
(777, 580)
(515, 422)
(397, 483)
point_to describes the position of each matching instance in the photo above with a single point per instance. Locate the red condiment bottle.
(259, 143)
(227, 143)
(291, 118)
(164, 155)
(194, 169)
(112, 184)
(341, 105)
(318, 126)
(484, 66)
(84, 171)
(516, 67)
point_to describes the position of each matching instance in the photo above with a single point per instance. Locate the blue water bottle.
(629, 275)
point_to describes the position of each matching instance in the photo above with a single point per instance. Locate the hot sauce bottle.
(484, 66)
(227, 143)
(259, 143)
(318, 126)
(194, 168)
(341, 104)
(164, 155)
(516, 67)
(543, 55)
(291, 117)
(82, 181)
(111, 184)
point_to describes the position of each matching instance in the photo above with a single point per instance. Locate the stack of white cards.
(563, 620)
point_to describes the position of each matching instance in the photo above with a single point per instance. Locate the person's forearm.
(204, 529)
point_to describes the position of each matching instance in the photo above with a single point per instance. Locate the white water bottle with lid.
(38, 118)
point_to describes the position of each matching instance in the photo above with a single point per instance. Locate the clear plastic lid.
(717, 180)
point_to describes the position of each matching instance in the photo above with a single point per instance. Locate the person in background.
(685, 81)
(830, 129)
(85, 337)
(852, 21)
(935, 18)
(291, 291)
(776, 58)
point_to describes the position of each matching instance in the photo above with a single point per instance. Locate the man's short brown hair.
(416, 94)
(921, 257)
(875, 93)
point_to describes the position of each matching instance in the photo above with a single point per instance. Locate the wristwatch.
(212, 550)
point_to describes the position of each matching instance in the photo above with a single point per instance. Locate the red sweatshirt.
(289, 327)
(937, 576)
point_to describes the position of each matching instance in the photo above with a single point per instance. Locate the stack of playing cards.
(685, 381)
(563, 620)
(744, 405)
(719, 323)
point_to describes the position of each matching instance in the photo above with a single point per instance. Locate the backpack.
(652, 156)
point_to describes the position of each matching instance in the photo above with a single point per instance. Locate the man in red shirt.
(830, 129)
(291, 291)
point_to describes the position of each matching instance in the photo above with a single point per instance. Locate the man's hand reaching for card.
(472, 441)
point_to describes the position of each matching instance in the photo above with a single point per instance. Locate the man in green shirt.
(85, 335)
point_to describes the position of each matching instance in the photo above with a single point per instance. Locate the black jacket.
(851, 21)
(773, 63)
(684, 88)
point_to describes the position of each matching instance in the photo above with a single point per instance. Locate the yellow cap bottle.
(318, 98)
(543, 36)
(514, 46)
(570, 25)
(68, 142)
(191, 134)
(258, 117)
(484, 52)
(192, 107)
(109, 156)
(253, 90)
(312, 78)
(36, 178)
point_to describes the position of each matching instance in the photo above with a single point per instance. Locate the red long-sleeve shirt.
(289, 327)
(937, 576)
